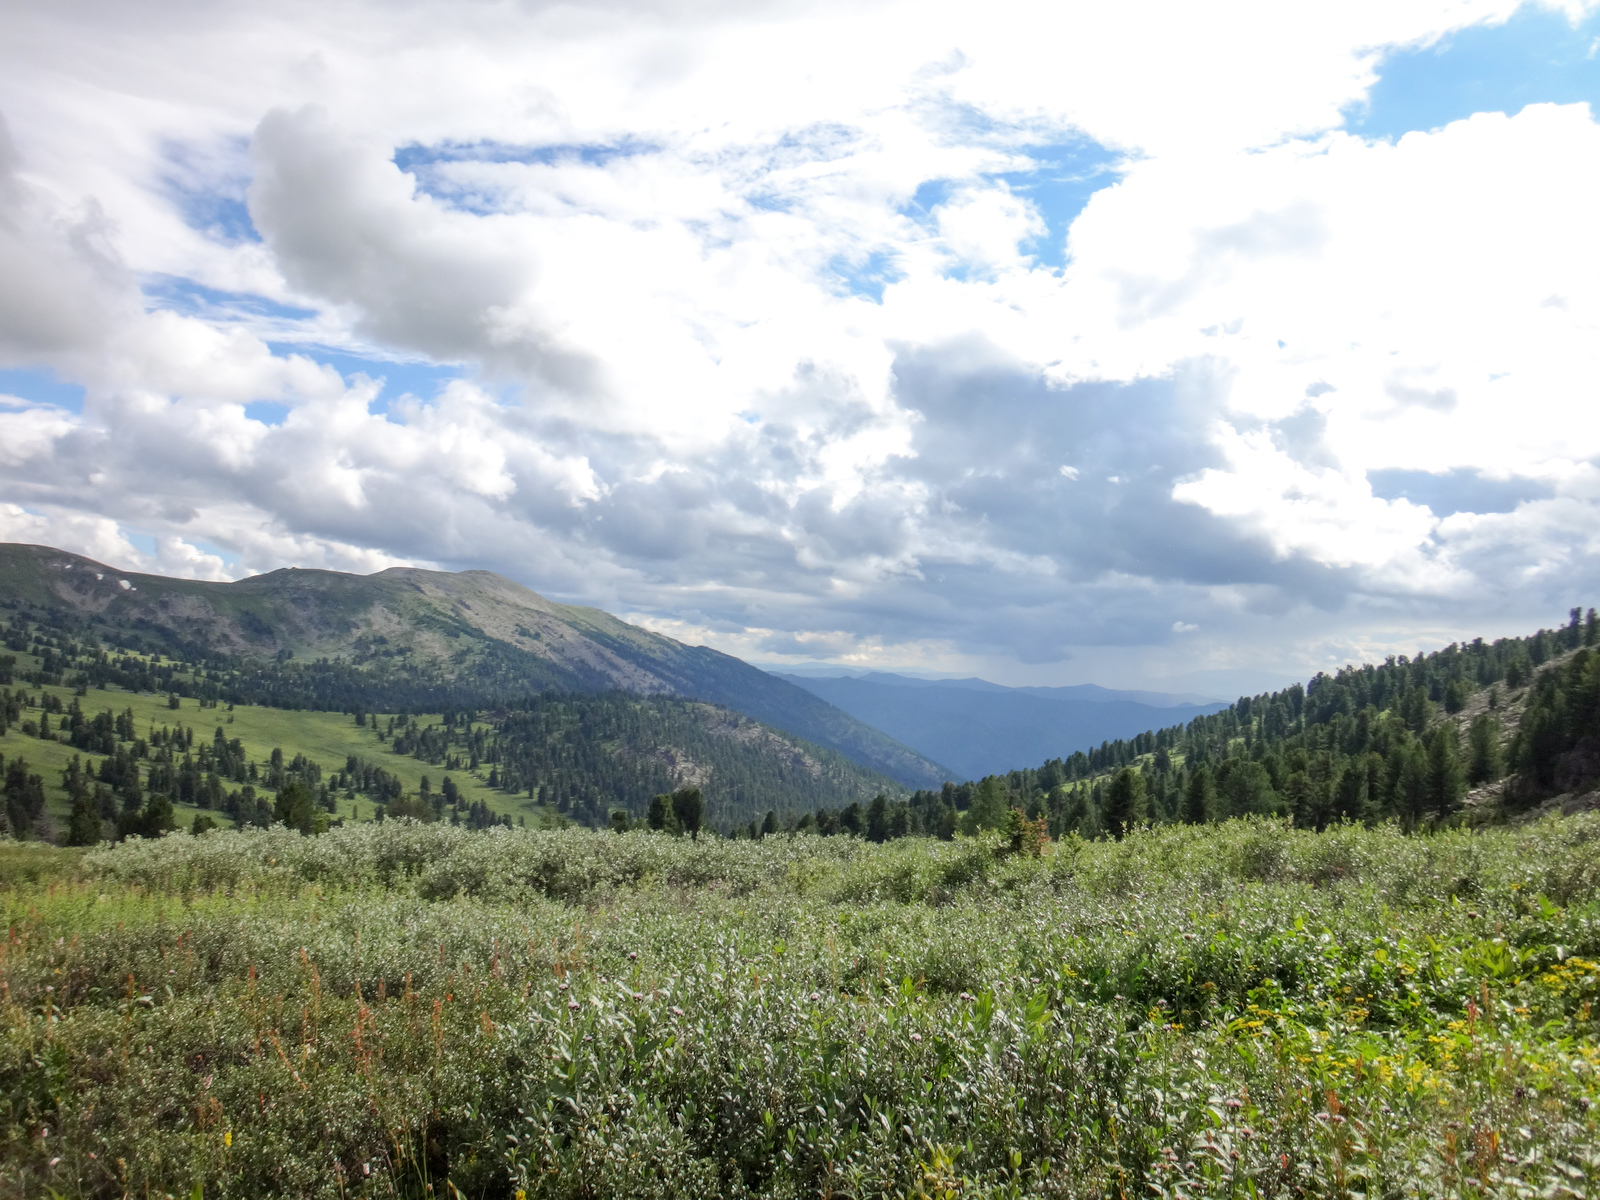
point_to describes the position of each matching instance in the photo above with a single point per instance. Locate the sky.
(1151, 345)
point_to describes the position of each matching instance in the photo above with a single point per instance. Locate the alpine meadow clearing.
(396, 1009)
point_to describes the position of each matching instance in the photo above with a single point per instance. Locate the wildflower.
(916, 1037)
(572, 1005)
(815, 996)
(676, 1011)
(631, 954)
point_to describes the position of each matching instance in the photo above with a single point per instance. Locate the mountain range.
(981, 728)
(1076, 691)
(433, 640)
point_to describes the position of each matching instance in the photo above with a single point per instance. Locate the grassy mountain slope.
(328, 739)
(426, 640)
(568, 757)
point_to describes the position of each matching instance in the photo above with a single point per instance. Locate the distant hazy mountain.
(474, 637)
(1078, 691)
(981, 728)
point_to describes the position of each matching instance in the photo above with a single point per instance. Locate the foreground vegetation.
(404, 1009)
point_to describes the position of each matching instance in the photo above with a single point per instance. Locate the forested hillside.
(84, 757)
(400, 640)
(591, 757)
(1474, 732)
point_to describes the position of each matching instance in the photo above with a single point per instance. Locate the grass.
(326, 738)
(402, 1010)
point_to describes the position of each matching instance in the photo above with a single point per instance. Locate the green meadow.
(326, 738)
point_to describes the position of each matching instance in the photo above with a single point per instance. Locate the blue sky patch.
(1536, 57)
(1456, 491)
(221, 218)
(414, 157)
(144, 543)
(420, 379)
(1059, 184)
(228, 557)
(866, 276)
(420, 162)
(175, 293)
(41, 387)
(215, 209)
(929, 195)
(1067, 174)
(268, 412)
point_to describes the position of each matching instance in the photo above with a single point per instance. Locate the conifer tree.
(296, 806)
(1244, 787)
(1410, 784)
(660, 817)
(1125, 802)
(989, 807)
(689, 807)
(878, 819)
(1199, 798)
(1350, 794)
(1445, 780)
(1483, 750)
